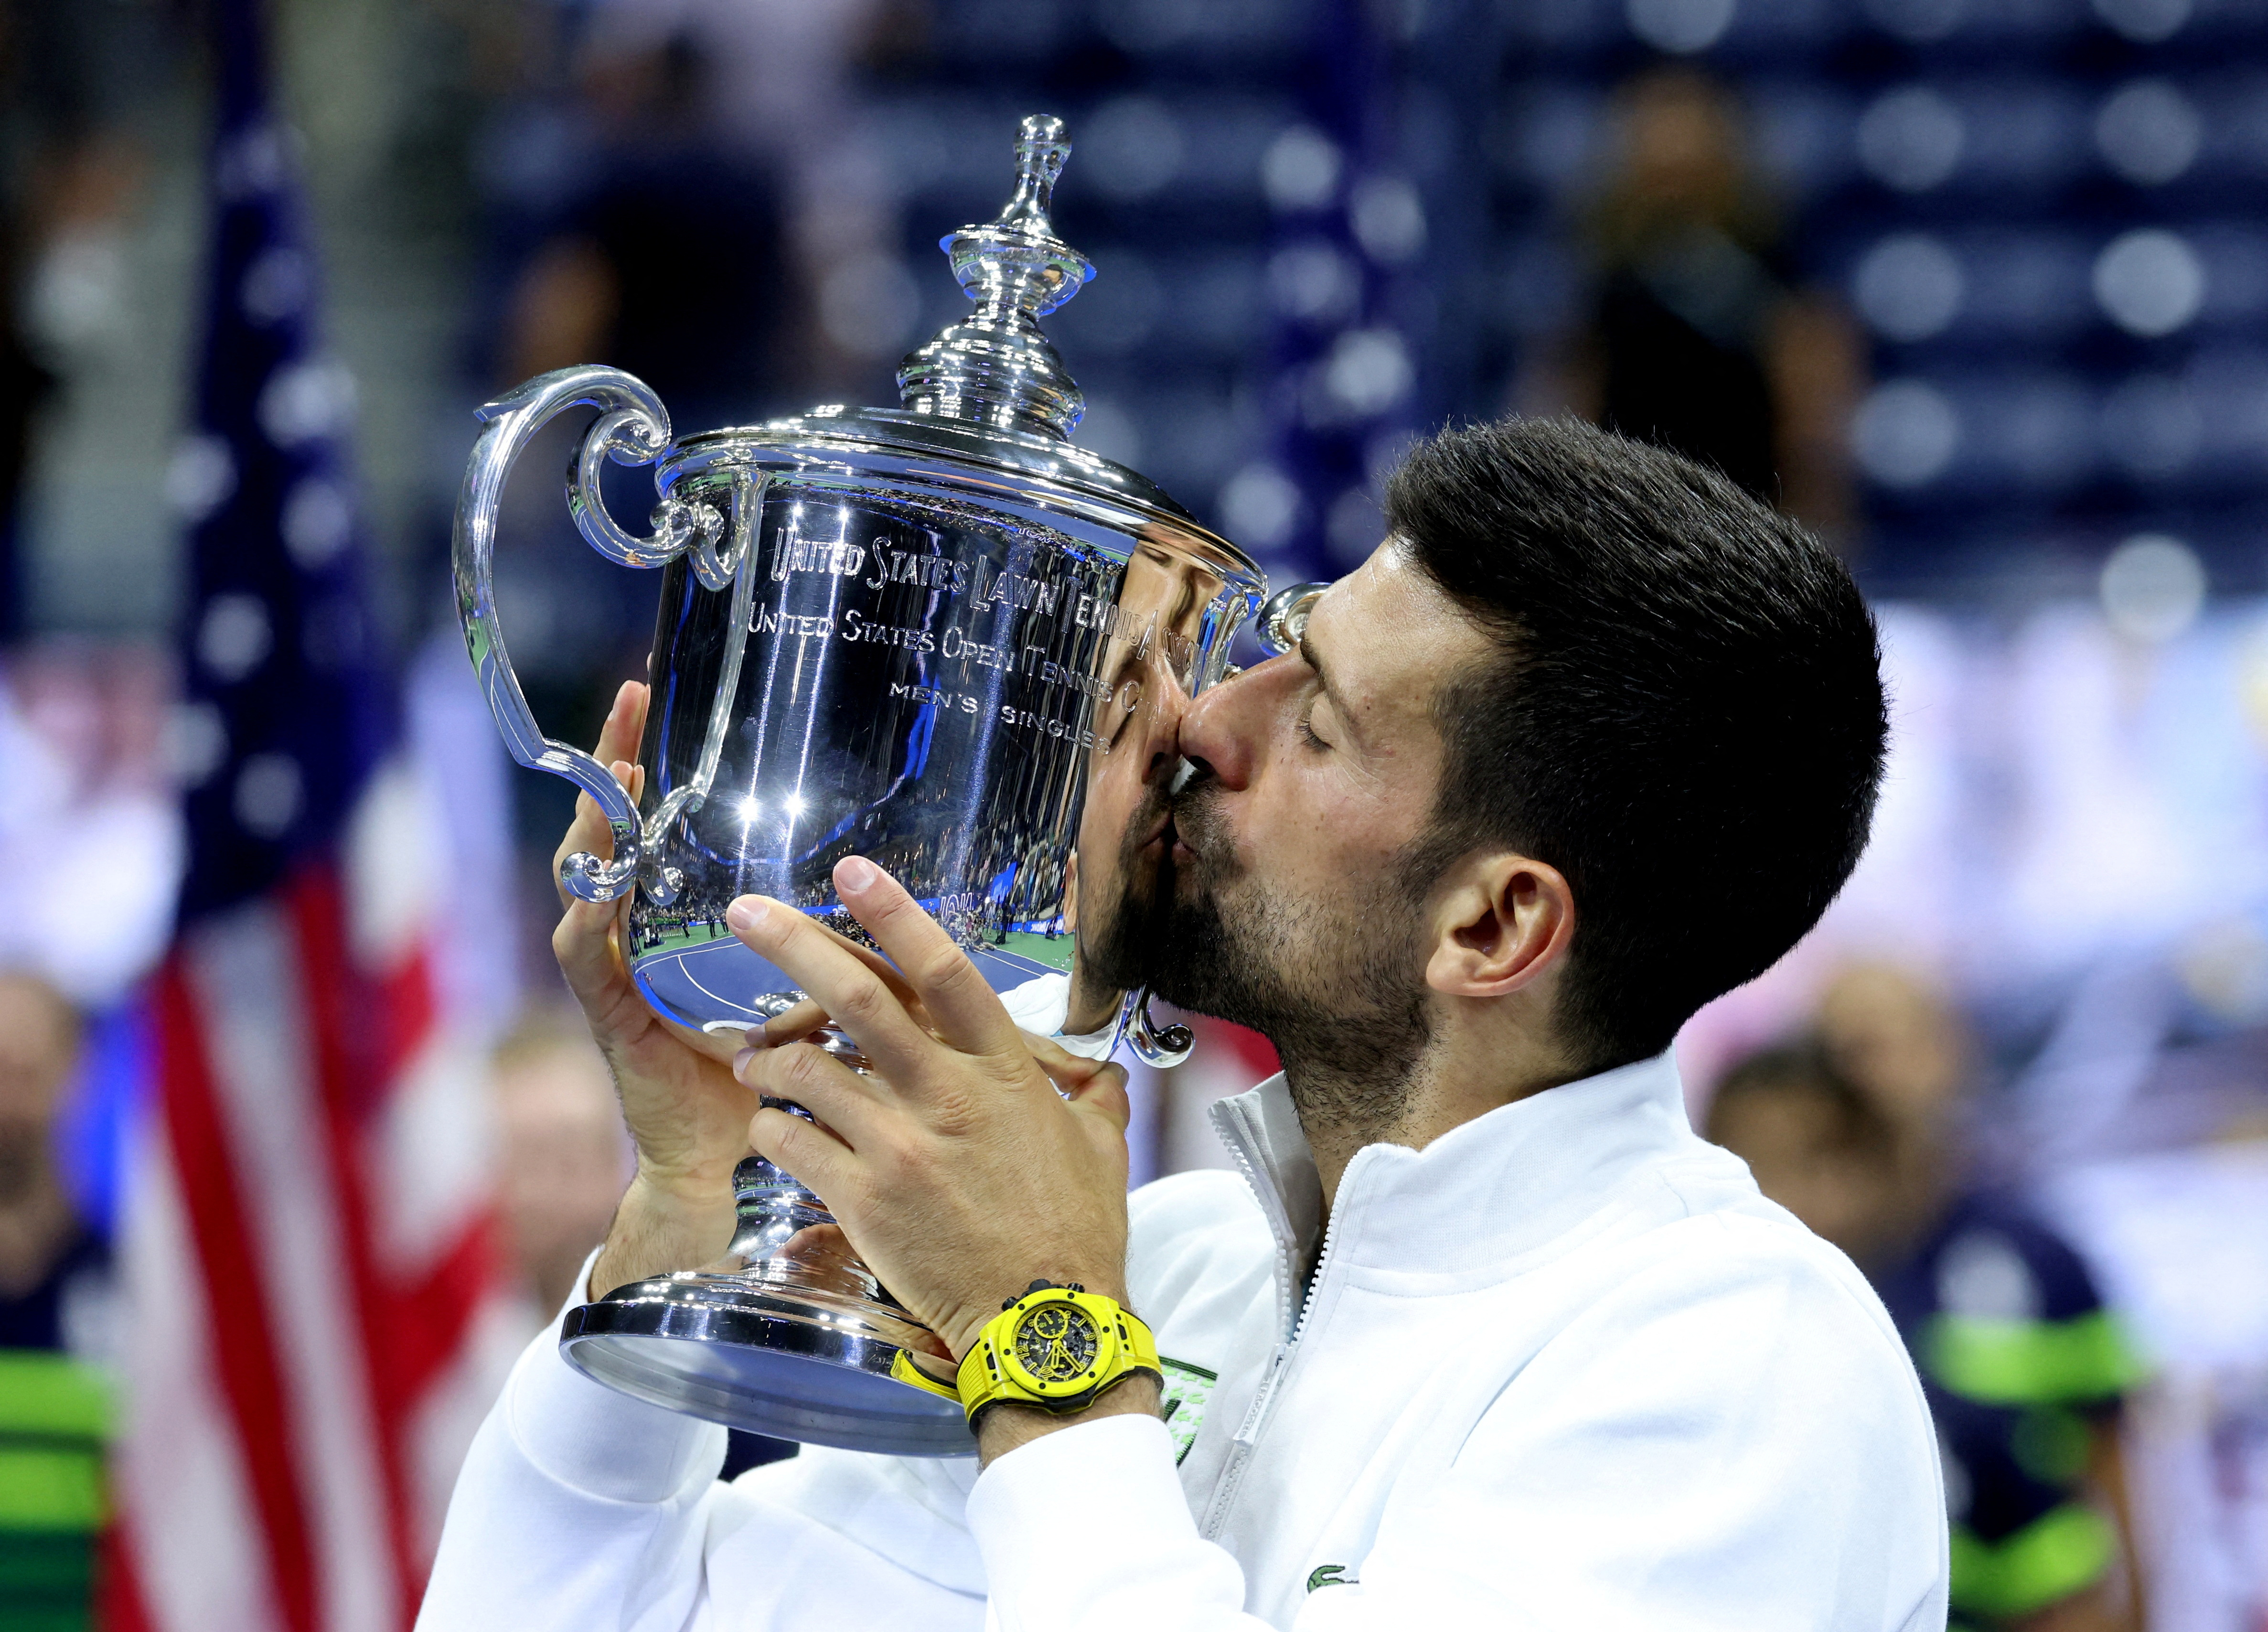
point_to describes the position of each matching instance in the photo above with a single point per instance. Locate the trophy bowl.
(940, 636)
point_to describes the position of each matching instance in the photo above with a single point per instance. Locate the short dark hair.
(1685, 713)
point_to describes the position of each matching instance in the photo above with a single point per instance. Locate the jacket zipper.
(1271, 1206)
(1248, 1433)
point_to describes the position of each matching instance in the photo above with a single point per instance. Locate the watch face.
(1057, 1343)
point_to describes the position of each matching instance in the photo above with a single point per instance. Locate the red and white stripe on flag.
(308, 1253)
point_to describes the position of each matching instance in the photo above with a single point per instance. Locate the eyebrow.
(1313, 660)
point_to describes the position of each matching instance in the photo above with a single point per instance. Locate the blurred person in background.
(1694, 336)
(53, 1276)
(1813, 1143)
(1858, 1132)
(665, 255)
(561, 1159)
(720, 227)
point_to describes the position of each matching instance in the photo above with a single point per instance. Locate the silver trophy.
(941, 636)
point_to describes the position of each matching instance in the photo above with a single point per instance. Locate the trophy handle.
(632, 428)
(1283, 617)
(1159, 1048)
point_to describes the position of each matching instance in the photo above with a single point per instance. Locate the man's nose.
(1225, 725)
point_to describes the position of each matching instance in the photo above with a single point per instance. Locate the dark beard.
(1338, 987)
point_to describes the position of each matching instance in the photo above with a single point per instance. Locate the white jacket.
(1563, 1369)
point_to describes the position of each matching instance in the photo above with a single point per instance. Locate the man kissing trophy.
(941, 733)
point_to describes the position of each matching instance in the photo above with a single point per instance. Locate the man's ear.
(1500, 922)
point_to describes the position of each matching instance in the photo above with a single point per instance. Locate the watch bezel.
(1106, 1348)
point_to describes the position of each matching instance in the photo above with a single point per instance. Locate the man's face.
(1802, 1154)
(1161, 607)
(39, 1046)
(1278, 893)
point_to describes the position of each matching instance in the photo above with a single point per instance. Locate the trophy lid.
(994, 367)
(988, 405)
(988, 396)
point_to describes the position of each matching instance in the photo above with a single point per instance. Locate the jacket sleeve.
(580, 1509)
(1728, 1449)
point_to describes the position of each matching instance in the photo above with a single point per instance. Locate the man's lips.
(1162, 828)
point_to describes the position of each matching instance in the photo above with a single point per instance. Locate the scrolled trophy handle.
(1283, 617)
(632, 428)
(1161, 1048)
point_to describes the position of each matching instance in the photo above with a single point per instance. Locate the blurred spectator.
(562, 1161)
(91, 824)
(1857, 1134)
(1694, 337)
(562, 1158)
(780, 91)
(1814, 1144)
(53, 1276)
(666, 257)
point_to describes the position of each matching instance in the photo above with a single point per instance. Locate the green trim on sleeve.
(2030, 1363)
(50, 1487)
(52, 1396)
(2057, 1554)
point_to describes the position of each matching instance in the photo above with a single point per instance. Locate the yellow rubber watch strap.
(903, 1370)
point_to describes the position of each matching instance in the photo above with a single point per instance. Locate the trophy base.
(730, 1350)
(788, 1334)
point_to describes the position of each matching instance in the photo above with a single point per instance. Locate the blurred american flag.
(306, 1242)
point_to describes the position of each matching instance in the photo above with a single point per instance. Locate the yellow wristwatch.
(1057, 1348)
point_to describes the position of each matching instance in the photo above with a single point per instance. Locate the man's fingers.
(807, 1016)
(815, 1156)
(585, 950)
(618, 737)
(859, 1000)
(616, 749)
(805, 1074)
(1096, 1084)
(966, 1012)
(1105, 1094)
(791, 1027)
(1065, 1070)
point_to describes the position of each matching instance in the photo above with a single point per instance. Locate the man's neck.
(1445, 1087)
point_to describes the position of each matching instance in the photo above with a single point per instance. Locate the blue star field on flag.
(286, 710)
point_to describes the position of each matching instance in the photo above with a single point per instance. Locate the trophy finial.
(995, 366)
(1041, 150)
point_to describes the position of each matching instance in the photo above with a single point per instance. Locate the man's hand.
(687, 1116)
(957, 1170)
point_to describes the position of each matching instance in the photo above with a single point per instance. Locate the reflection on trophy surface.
(1120, 834)
(939, 636)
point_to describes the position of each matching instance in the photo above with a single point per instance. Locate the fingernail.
(747, 914)
(755, 1039)
(740, 1060)
(856, 873)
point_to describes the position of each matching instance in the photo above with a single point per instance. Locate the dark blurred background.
(1977, 288)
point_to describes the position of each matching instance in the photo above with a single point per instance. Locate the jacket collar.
(1495, 1187)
